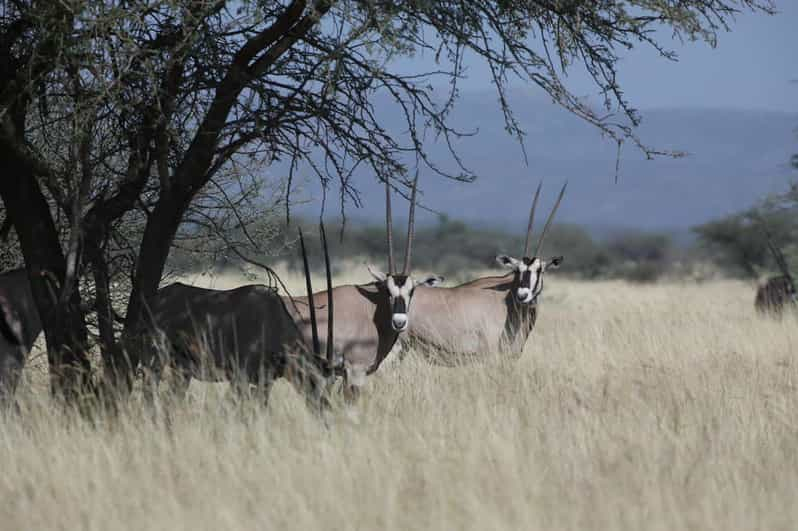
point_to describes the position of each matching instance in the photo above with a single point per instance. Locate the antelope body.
(490, 314)
(244, 335)
(19, 327)
(472, 319)
(368, 319)
(775, 294)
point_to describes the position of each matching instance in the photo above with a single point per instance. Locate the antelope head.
(528, 270)
(399, 287)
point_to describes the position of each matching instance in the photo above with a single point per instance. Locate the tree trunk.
(193, 172)
(159, 233)
(63, 323)
(117, 373)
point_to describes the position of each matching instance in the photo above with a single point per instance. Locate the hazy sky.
(751, 68)
(736, 158)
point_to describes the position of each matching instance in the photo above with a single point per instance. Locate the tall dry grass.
(662, 407)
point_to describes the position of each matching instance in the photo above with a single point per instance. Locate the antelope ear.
(431, 281)
(506, 261)
(554, 262)
(378, 275)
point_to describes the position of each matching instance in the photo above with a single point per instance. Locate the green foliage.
(640, 256)
(455, 249)
(738, 243)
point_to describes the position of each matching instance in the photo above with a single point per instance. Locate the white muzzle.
(524, 295)
(399, 321)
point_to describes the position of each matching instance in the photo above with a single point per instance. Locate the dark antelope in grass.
(490, 314)
(245, 335)
(777, 292)
(368, 317)
(19, 327)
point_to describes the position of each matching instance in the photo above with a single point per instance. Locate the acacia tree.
(123, 112)
(738, 242)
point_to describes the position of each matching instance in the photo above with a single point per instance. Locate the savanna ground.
(633, 407)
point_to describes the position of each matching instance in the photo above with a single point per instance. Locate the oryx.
(19, 327)
(368, 317)
(245, 335)
(490, 314)
(776, 292)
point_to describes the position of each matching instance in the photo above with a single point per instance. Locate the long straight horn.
(548, 221)
(329, 296)
(531, 220)
(313, 327)
(389, 225)
(410, 227)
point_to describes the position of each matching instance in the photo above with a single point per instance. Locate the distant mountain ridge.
(736, 157)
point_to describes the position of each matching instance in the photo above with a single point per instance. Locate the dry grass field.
(634, 407)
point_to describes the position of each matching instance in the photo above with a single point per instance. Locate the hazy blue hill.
(735, 158)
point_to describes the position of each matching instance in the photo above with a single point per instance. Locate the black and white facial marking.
(400, 290)
(528, 281)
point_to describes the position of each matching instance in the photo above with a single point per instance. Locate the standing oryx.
(777, 292)
(19, 327)
(245, 335)
(491, 314)
(368, 317)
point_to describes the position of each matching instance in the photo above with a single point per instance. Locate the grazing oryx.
(777, 292)
(19, 327)
(491, 314)
(245, 335)
(368, 317)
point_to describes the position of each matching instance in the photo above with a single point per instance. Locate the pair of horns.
(309, 285)
(389, 227)
(548, 221)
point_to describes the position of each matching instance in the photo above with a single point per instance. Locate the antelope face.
(528, 279)
(400, 290)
